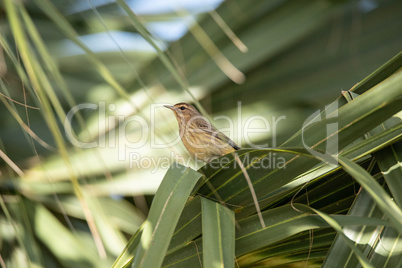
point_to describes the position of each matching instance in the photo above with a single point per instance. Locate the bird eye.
(182, 108)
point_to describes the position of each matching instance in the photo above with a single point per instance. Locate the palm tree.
(88, 179)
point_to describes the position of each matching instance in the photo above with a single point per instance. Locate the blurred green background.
(270, 58)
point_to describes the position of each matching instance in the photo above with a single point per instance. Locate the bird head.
(183, 111)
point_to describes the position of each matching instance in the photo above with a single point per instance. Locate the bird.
(201, 139)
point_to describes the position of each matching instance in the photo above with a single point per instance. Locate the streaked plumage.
(201, 139)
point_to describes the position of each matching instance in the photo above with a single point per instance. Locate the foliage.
(66, 206)
(278, 189)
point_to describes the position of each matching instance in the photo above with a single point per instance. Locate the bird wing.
(219, 135)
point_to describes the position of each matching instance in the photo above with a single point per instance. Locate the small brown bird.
(201, 139)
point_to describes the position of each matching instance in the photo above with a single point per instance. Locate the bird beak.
(170, 107)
